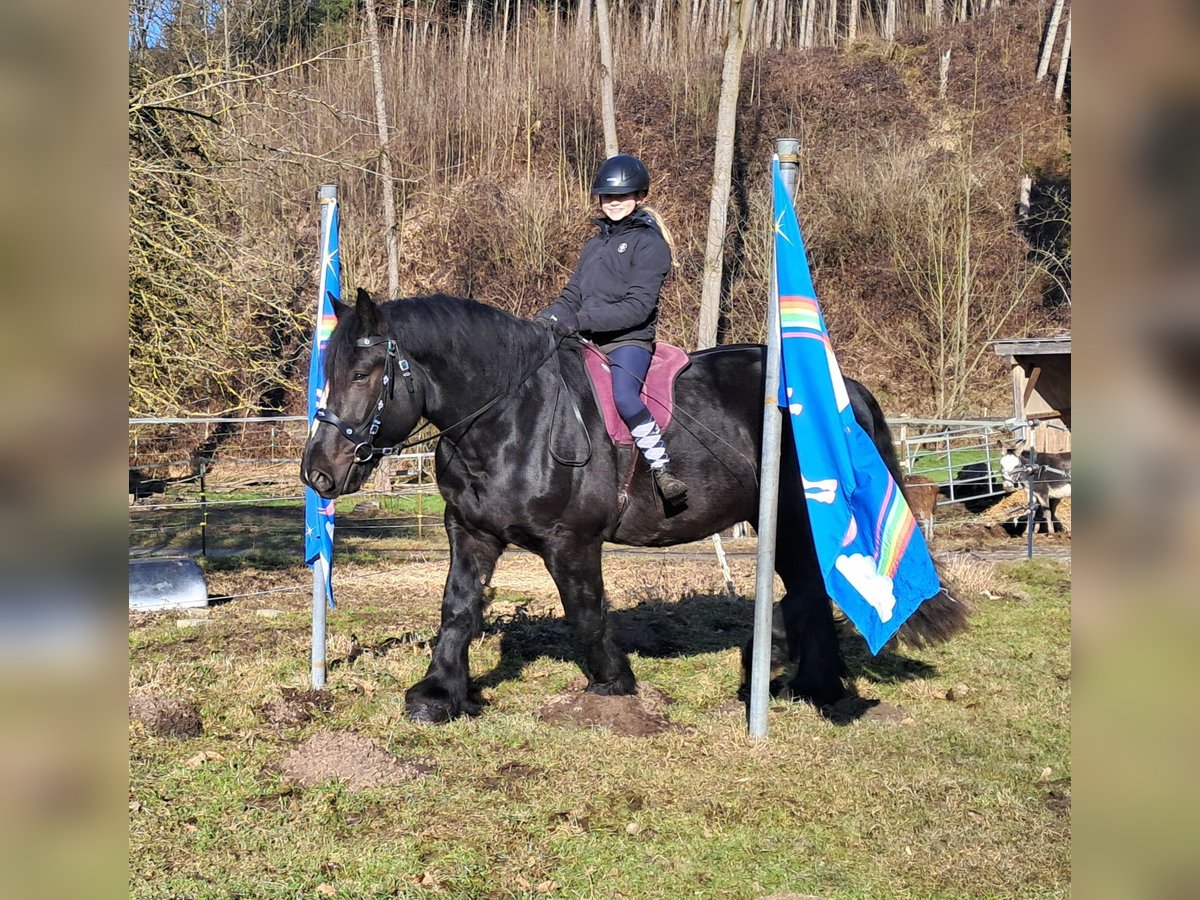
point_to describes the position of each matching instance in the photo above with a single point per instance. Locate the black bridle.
(363, 436)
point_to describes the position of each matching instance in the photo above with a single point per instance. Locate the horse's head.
(365, 410)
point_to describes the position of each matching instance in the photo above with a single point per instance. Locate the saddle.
(658, 391)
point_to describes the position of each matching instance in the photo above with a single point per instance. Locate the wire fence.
(231, 486)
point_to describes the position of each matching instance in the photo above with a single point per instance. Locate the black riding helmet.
(622, 174)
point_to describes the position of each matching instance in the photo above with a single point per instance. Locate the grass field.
(961, 789)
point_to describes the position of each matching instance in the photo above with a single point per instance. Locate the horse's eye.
(360, 376)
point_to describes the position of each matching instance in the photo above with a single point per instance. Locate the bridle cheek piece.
(363, 436)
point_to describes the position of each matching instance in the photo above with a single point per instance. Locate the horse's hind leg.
(808, 621)
(444, 691)
(576, 570)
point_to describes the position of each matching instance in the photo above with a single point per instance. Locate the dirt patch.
(163, 717)
(295, 707)
(637, 715)
(510, 777)
(356, 760)
(1058, 801)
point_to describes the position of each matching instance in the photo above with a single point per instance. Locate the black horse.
(523, 458)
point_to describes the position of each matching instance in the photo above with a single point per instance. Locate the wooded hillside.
(909, 189)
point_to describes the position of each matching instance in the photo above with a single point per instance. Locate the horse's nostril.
(319, 481)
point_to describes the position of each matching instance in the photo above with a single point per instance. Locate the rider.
(612, 299)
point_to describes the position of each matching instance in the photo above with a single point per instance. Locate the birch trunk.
(889, 21)
(385, 157)
(1048, 45)
(583, 24)
(1062, 64)
(608, 113)
(741, 15)
(852, 23)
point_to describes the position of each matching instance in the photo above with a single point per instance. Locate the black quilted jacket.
(614, 289)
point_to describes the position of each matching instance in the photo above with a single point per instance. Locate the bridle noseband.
(363, 436)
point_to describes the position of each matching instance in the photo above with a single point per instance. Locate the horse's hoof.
(818, 697)
(428, 713)
(620, 688)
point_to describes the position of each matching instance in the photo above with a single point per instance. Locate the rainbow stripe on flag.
(799, 313)
(893, 532)
(325, 325)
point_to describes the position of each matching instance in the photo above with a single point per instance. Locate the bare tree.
(1048, 44)
(941, 246)
(741, 15)
(583, 24)
(1066, 59)
(385, 157)
(608, 113)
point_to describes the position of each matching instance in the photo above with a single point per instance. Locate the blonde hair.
(662, 227)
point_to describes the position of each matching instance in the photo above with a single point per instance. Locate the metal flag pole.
(787, 150)
(325, 192)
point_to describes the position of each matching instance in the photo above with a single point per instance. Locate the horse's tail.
(943, 615)
(936, 620)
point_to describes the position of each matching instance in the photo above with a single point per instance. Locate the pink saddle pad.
(658, 393)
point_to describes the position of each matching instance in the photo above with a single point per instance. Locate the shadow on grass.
(696, 624)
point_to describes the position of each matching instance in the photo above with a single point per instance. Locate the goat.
(1050, 476)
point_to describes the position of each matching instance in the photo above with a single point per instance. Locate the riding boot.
(672, 489)
(648, 438)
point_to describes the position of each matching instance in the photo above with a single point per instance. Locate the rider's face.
(617, 206)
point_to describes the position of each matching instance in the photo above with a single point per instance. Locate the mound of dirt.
(354, 759)
(636, 715)
(162, 717)
(296, 707)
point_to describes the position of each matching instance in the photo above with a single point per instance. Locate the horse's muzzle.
(316, 477)
(319, 481)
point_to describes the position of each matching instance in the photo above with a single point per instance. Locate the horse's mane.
(459, 329)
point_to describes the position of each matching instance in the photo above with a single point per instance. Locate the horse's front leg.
(576, 570)
(444, 693)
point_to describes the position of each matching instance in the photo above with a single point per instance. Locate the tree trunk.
(741, 15)
(583, 24)
(1066, 58)
(608, 113)
(1048, 45)
(385, 157)
(889, 21)
(852, 23)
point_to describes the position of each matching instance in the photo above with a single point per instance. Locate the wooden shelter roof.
(1039, 346)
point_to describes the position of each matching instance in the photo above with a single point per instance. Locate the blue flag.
(873, 556)
(318, 512)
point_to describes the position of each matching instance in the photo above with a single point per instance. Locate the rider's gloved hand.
(562, 321)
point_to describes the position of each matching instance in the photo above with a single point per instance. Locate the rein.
(365, 449)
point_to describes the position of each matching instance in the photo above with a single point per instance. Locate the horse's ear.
(367, 312)
(339, 308)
